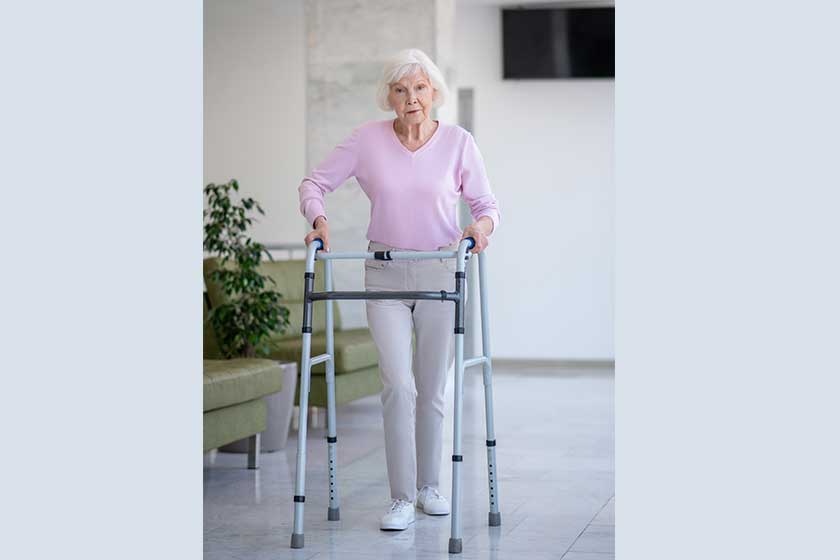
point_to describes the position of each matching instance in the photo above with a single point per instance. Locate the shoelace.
(397, 504)
(433, 491)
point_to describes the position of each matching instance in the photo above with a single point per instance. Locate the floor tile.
(555, 465)
(588, 556)
(596, 538)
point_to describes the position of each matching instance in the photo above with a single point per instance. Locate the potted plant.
(252, 312)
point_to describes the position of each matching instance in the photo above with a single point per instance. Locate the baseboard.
(553, 364)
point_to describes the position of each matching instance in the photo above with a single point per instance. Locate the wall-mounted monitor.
(558, 43)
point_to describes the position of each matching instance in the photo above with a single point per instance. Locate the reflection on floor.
(555, 455)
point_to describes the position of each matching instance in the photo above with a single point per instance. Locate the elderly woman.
(413, 169)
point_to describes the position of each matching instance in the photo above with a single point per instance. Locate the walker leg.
(305, 360)
(455, 542)
(332, 439)
(297, 533)
(494, 518)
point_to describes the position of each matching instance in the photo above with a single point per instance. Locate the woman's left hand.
(475, 231)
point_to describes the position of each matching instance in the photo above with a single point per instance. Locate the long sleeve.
(330, 174)
(475, 187)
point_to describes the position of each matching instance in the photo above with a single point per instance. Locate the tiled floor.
(555, 455)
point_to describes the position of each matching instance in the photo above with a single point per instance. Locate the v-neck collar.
(396, 138)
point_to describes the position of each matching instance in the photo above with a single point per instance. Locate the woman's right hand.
(321, 231)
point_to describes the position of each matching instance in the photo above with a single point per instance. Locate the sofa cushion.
(288, 278)
(354, 349)
(229, 382)
(232, 423)
(348, 387)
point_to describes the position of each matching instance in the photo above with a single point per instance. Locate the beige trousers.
(414, 385)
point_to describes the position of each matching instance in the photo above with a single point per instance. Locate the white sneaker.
(431, 502)
(399, 516)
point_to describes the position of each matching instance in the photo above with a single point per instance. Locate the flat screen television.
(558, 43)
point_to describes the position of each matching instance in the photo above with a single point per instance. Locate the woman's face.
(411, 98)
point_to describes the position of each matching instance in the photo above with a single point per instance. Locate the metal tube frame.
(314, 253)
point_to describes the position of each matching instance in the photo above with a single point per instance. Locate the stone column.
(347, 44)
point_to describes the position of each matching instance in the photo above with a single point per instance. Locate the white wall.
(548, 147)
(254, 105)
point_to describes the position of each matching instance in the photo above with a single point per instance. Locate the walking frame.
(314, 252)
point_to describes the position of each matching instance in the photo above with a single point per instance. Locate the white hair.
(404, 63)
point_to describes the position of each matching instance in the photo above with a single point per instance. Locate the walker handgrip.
(321, 246)
(472, 242)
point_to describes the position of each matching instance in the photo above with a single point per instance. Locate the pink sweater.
(413, 195)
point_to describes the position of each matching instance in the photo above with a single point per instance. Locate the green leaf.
(250, 313)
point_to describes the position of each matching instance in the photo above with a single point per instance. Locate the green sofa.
(234, 407)
(356, 357)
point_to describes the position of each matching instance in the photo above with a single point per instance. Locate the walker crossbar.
(388, 255)
(314, 253)
(441, 295)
